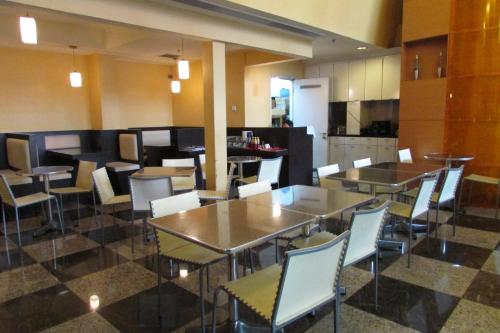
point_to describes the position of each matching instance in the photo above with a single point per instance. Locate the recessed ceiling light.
(361, 48)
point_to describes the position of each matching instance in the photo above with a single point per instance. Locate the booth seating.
(19, 157)
(61, 141)
(130, 153)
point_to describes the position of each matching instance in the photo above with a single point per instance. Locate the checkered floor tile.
(453, 284)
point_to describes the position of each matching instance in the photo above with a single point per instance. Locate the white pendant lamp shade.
(75, 79)
(175, 85)
(28, 30)
(183, 67)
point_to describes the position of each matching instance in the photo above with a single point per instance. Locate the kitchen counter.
(363, 136)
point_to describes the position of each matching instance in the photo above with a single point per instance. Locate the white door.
(310, 108)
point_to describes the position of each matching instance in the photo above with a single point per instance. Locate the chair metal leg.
(428, 224)
(158, 266)
(245, 261)
(77, 207)
(410, 231)
(437, 221)
(17, 223)
(202, 301)
(454, 215)
(461, 193)
(276, 249)
(95, 206)
(250, 256)
(4, 221)
(337, 308)
(61, 219)
(208, 278)
(375, 268)
(133, 236)
(114, 210)
(62, 208)
(216, 293)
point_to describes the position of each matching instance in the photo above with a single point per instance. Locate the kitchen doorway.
(281, 101)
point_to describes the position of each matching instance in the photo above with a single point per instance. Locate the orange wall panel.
(422, 137)
(425, 18)
(423, 100)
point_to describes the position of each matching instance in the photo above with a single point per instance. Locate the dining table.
(230, 227)
(449, 158)
(155, 172)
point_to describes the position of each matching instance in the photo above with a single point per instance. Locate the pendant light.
(27, 25)
(75, 78)
(175, 85)
(183, 65)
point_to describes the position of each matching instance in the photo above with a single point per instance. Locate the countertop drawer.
(369, 141)
(387, 142)
(337, 140)
(350, 140)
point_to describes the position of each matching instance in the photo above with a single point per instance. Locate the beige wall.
(258, 89)
(35, 93)
(188, 105)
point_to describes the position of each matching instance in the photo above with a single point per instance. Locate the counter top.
(365, 136)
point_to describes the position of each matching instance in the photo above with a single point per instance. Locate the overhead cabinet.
(340, 82)
(373, 80)
(357, 73)
(391, 76)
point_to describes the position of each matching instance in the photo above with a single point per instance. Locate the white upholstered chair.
(405, 156)
(181, 183)
(420, 206)
(254, 189)
(143, 191)
(129, 154)
(362, 163)
(219, 195)
(269, 169)
(18, 158)
(83, 185)
(8, 199)
(366, 228)
(280, 295)
(181, 250)
(106, 193)
(325, 171)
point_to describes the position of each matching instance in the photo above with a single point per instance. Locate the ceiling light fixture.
(361, 48)
(27, 25)
(75, 78)
(183, 64)
(175, 85)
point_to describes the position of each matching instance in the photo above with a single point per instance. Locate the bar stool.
(473, 178)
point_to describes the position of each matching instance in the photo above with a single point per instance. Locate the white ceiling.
(57, 31)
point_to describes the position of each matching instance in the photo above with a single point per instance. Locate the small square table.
(154, 172)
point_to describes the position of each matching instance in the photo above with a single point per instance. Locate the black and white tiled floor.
(453, 284)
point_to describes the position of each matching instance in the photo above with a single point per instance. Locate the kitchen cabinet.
(326, 70)
(391, 76)
(357, 74)
(344, 150)
(340, 82)
(373, 79)
(311, 72)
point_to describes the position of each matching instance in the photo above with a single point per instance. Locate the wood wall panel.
(428, 53)
(424, 19)
(423, 100)
(422, 137)
(473, 114)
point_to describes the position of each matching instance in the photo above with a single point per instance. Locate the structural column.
(214, 88)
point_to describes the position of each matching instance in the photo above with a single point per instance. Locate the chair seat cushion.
(330, 183)
(314, 240)
(257, 291)
(399, 209)
(211, 195)
(413, 194)
(58, 176)
(69, 190)
(117, 199)
(169, 242)
(248, 180)
(122, 166)
(32, 199)
(194, 254)
(14, 179)
(483, 179)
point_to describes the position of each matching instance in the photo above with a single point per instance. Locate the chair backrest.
(450, 184)
(203, 162)
(230, 175)
(181, 162)
(366, 228)
(245, 191)
(424, 194)
(62, 141)
(144, 190)
(362, 163)
(84, 175)
(405, 156)
(5, 192)
(323, 172)
(18, 153)
(270, 170)
(103, 185)
(129, 148)
(309, 278)
(175, 204)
